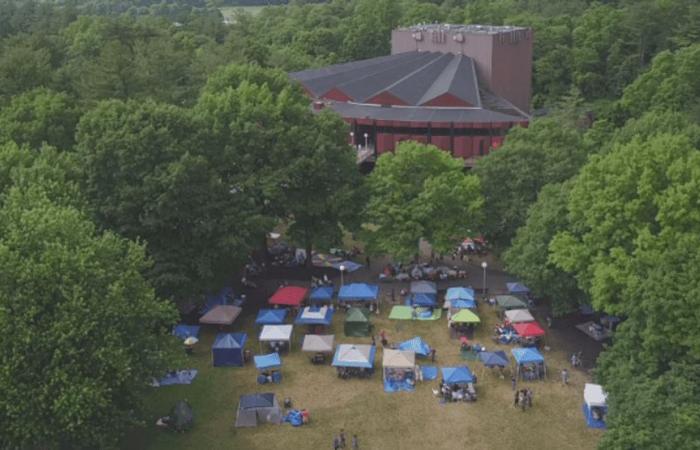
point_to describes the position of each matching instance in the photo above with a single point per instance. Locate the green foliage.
(549, 151)
(40, 117)
(528, 255)
(87, 332)
(420, 192)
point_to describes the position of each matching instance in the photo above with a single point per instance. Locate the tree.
(88, 333)
(549, 151)
(420, 192)
(324, 188)
(40, 116)
(528, 255)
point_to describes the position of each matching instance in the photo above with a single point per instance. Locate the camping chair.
(318, 358)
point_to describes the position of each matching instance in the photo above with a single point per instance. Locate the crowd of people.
(523, 399)
(340, 441)
(457, 392)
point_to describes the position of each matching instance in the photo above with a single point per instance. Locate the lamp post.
(342, 269)
(484, 266)
(352, 138)
(366, 142)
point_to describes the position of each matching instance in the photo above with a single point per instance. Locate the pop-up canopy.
(289, 296)
(271, 333)
(519, 315)
(228, 349)
(517, 288)
(594, 395)
(528, 329)
(319, 343)
(423, 287)
(425, 300)
(494, 359)
(459, 293)
(358, 292)
(184, 331)
(321, 294)
(269, 361)
(221, 315)
(465, 316)
(399, 359)
(313, 315)
(457, 375)
(271, 317)
(509, 302)
(354, 355)
(416, 345)
(527, 355)
(460, 304)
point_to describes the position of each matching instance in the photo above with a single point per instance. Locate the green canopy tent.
(357, 322)
(465, 316)
(508, 302)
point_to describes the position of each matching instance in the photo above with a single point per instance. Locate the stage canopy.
(221, 315)
(289, 296)
(459, 293)
(528, 329)
(517, 288)
(271, 316)
(358, 292)
(527, 355)
(519, 315)
(457, 375)
(320, 343)
(354, 355)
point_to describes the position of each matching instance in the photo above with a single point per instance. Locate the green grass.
(382, 421)
(229, 11)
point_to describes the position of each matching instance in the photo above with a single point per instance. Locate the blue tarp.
(326, 320)
(350, 266)
(457, 375)
(228, 349)
(459, 293)
(494, 359)
(271, 316)
(517, 288)
(417, 345)
(462, 304)
(224, 297)
(184, 331)
(358, 291)
(590, 421)
(398, 386)
(421, 300)
(527, 355)
(269, 361)
(429, 372)
(321, 294)
(178, 377)
(294, 417)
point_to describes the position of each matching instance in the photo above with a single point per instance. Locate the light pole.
(342, 269)
(352, 138)
(366, 137)
(484, 266)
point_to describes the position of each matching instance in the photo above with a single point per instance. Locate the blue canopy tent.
(457, 375)
(517, 288)
(494, 359)
(321, 294)
(228, 349)
(184, 331)
(425, 300)
(529, 362)
(315, 315)
(223, 297)
(268, 363)
(271, 316)
(459, 293)
(358, 292)
(417, 345)
(462, 304)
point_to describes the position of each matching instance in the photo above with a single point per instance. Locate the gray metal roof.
(422, 113)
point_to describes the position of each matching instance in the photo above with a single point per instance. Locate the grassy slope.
(382, 421)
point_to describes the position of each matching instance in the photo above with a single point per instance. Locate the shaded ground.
(382, 421)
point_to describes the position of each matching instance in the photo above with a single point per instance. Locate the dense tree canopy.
(420, 192)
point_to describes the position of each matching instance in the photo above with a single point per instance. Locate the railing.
(365, 153)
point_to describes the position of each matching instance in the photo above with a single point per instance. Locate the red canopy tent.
(528, 329)
(289, 296)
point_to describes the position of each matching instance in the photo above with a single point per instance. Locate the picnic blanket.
(429, 372)
(177, 377)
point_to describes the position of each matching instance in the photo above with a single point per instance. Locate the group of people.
(523, 399)
(340, 442)
(457, 393)
(320, 282)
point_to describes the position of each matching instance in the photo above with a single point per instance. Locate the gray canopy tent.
(254, 409)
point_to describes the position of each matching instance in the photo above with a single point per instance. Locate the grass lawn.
(382, 421)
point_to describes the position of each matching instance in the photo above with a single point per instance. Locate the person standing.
(512, 382)
(342, 438)
(336, 442)
(374, 341)
(564, 376)
(355, 444)
(528, 397)
(432, 355)
(367, 260)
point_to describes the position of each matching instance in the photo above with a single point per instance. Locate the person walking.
(432, 355)
(528, 397)
(355, 444)
(342, 438)
(515, 399)
(564, 376)
(336, 442)
(512, 382)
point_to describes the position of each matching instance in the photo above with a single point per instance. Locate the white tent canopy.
(594, 395)
(519, 315)
(321, 343)
(354, 353)
(399, 359)
(276, 333)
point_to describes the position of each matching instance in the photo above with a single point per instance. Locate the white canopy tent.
(221, 315)
(399, 359)
(318, 343)
(594, 395)
(276, 333)
(519, 315)
(399, 370)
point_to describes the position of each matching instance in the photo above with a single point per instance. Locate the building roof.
(410, 86)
